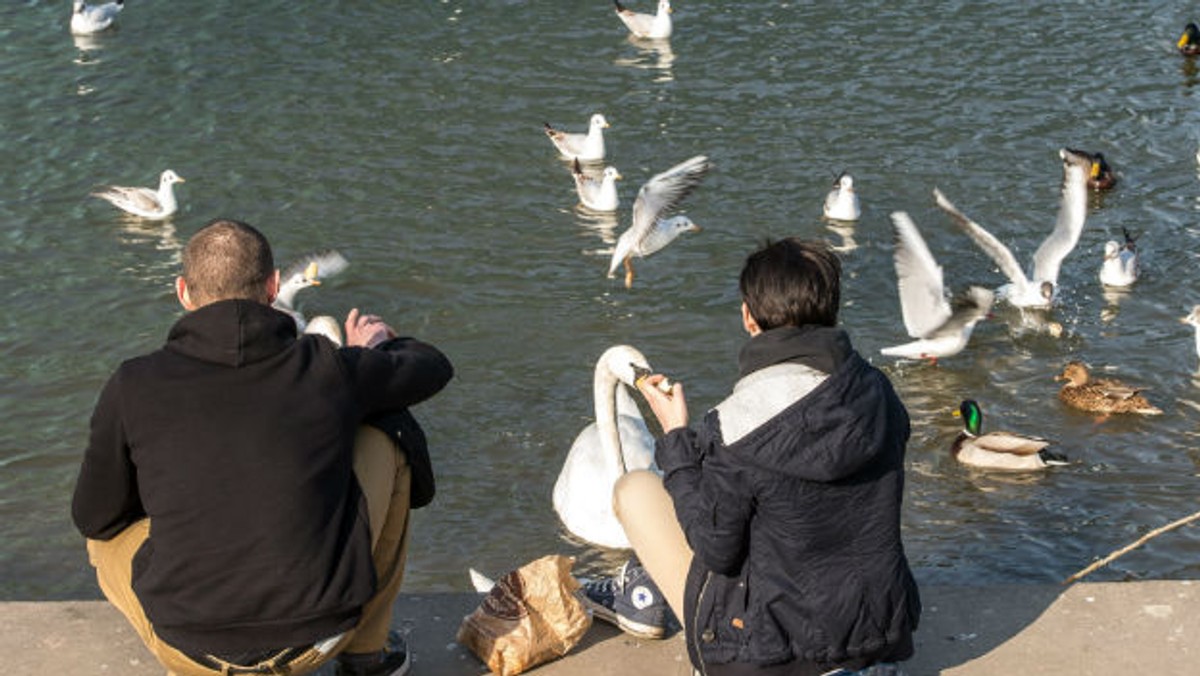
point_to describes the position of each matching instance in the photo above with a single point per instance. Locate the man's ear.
(273, 287)
(181, 292)
(748, 322)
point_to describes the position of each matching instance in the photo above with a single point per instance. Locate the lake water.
(409, 137)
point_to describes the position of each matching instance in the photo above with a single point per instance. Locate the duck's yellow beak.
(1183, 40)
(1095, 169)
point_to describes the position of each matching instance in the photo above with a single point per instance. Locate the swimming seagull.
(1120, 267)
(1193, 319)
(841, 204)
(653, 26)
(597, 194)
(587, 147)
(144, 202)
(940, 330)
(306, 272)
(649, 232)
(1041, 290)
(87, 19)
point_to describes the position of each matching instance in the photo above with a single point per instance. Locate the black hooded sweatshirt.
(235, 439)
(794, 516)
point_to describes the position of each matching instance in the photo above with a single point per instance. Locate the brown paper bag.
(531, 616)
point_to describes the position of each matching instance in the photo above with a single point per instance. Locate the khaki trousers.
(383, 474)
(647, 514)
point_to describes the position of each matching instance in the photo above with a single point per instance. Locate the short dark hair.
(792, 282)
(227, 259)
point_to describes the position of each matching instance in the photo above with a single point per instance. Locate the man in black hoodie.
(237, 509)
(774, 533)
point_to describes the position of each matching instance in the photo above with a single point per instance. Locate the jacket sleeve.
(106, 498)
(711, 502)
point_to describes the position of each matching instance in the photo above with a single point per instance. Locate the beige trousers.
(645, 510)
(383, 474)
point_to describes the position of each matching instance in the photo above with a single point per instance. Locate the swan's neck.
(604, 391)
(287, 295)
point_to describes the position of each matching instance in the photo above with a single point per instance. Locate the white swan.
(618, 441)
(940, 330)
(1040, 290)
(144, 202)
(87, 19)
(649, 231)
(587, 147)
(655, 26)
(597, 194)
(841, 204)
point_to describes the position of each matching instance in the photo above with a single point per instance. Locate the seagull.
(587, 147)
(596, 194)
(144, 202)
(1189, 42)
(1041, 290)
(1193, 319)
(306, 272)
(86, 19)
(649, 232)
(653, 26)
(1120, 267)
(841, 204)
(940, 330)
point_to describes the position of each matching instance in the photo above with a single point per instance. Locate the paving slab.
(1092, 629)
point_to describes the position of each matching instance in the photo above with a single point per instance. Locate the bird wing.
(1071, 214)
(638, 23)
(919, 280)
(329, 263)
(664, 192)
(141, 199)
(991, 246)
(1007, 442)
(586, 186)
(968, 307)
(568, 143)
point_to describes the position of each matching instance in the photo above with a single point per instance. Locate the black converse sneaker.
(395, 660)
(630, 600)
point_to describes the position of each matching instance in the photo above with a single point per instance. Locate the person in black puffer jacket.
(774, 532)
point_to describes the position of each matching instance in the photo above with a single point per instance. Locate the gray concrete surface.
(1087, 629)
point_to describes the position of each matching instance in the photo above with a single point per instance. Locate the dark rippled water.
(410, 139)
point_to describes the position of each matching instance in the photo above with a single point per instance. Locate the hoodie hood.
(232, 333)
(823, 348)
(832, 430)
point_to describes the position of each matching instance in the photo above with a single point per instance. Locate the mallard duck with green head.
(1101, 395)
(999, 450)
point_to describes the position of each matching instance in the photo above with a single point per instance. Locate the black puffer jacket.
(789, 493)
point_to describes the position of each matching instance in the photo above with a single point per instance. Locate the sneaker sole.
(626, 625)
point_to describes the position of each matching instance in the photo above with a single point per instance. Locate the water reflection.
(1112, 302)
(655, 55)
(602, 224)
(845, 230)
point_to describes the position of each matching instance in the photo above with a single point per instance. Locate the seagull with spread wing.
(940, 329)
(1040, 290)
(650, 231)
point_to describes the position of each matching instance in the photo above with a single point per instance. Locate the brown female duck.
(1101, 395)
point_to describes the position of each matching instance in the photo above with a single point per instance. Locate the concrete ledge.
(1092, 629)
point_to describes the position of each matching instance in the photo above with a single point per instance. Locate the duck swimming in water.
(1101, 395)
(1189, 42)
(1101, 175)
(999, 450)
